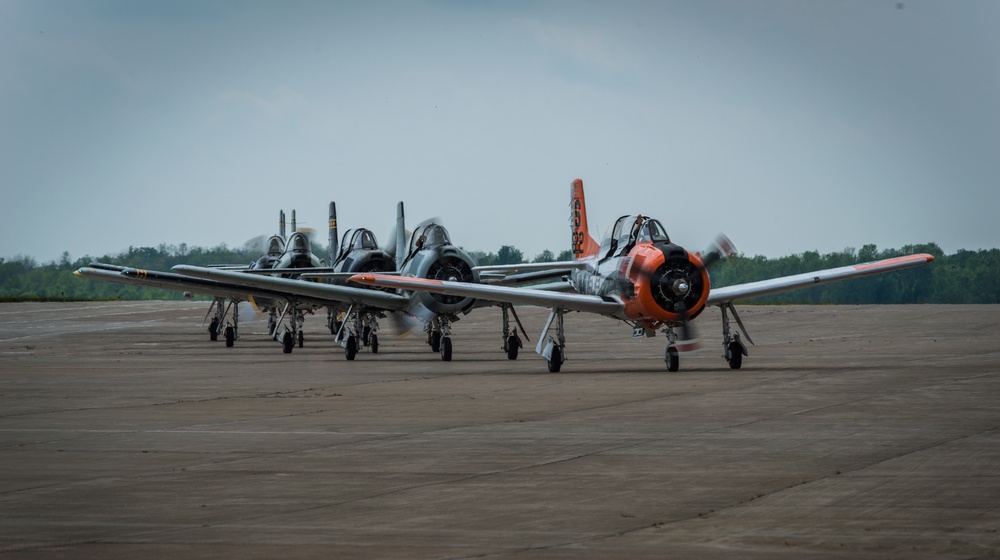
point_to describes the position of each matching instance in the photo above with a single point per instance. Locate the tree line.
(962, 277)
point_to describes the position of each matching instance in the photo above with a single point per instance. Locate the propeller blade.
(687, 337)
(404, 325)
(721, 248)
(257, 244)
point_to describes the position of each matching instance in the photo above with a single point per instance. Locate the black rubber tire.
(374, 344)
(351, 350)
(673, 359)
(213, 330)
(446, 348)
(302, 339)
(287, 342)
(435, 342)
(230, 337)
(735, 358)
(512, 347)
(555, 362)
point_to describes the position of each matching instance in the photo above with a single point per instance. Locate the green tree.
(544, 257)
(509, 255)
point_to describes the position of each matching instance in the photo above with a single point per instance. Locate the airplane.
(429, 253)
(359, 251)
(284, 256)
(639, 276)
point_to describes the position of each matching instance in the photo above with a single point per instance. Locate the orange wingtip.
(913, 259)
(362, 278)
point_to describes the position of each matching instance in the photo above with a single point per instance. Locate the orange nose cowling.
(647, 258)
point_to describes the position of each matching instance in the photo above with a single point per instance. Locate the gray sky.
(791, 126)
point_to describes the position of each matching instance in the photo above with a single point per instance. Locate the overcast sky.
(790, 126)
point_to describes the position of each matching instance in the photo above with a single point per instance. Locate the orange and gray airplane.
(639, 276)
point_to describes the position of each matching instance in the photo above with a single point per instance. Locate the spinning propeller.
(680, 282)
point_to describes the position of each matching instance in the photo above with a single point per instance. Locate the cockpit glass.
(437, 235)
(652, 231)
(300, 243)
(274, 246)
(363, 239)
(431, 235)
(629, 230)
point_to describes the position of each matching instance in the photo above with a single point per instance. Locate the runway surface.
(851, 431)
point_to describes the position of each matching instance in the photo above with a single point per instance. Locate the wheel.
(511, 347)
(302, 338)
(351, 350)
(287, 342)
(734, 355)
(213, 330)
(446, 348)
(230, 337)
(374, 344)
(366, 336)
(673, 359)
(555, 361)
(435, 341)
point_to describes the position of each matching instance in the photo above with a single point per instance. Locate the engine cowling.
(449, 264)
(670, 284)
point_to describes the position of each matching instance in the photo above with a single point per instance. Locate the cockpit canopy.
(629, 230)
(358, 240)
(275, 246)
(430, 235)
(298, 243)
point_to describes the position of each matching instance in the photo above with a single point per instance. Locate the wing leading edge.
(525, 296)
(719, 296)
(288, 287)
(613, 308)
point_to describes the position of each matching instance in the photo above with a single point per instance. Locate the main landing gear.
(356, 331)
(553, 349)
(230, 330)
(733, 347)
(439, 336)
(511, 341)
(290, 333)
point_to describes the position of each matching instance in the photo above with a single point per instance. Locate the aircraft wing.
(299, 289)
(527, 296)
(749, 290)
(529, 267)
(179, 283)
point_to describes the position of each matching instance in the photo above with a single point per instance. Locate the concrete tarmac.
(850, 432)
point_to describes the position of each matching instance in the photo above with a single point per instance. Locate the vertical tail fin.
(584, 245)
(400, 236)
(333, 232)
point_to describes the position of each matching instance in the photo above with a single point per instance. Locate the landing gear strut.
(357, 330)
(439, 336)
(511, 341)
(733, 348)
(672, 356)
(553, 349)
(292, 333)
(230, 330)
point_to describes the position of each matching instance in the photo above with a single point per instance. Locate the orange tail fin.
(583, 244)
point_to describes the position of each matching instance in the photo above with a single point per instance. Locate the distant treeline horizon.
(962, 277)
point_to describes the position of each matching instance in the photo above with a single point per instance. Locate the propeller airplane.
(429, 254)
(284, 256)
(636, 275)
